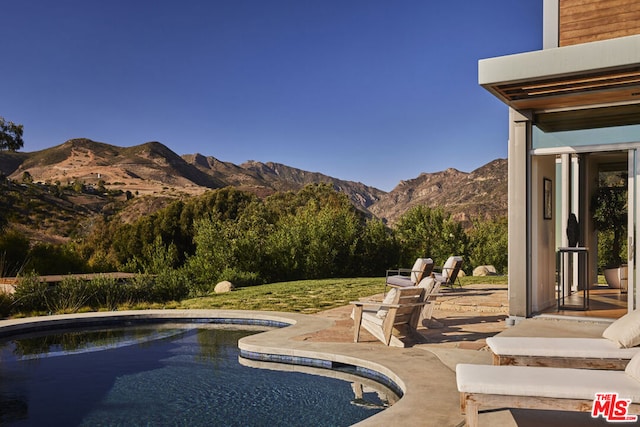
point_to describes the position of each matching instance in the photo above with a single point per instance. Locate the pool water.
(156, 375)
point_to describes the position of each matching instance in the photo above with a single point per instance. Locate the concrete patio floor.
(461, 323)
(425, 370)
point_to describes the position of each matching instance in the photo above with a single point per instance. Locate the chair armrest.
(366, 303)
(381, 305)
(406, 271)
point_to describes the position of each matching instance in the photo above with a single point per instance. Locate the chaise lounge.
(562, 389)
(618, 344)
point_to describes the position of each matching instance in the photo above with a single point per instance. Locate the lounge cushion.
(427, 284)
(633, 367)
(388, 299)
(417, 271)
(398, 280)
(559, 347)
(373, 318)
(566, 383)
(448, 266)
(625, 331)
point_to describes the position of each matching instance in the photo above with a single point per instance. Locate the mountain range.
(152, 169)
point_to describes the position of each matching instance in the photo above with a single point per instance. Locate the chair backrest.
(421, 269)
(430, 286)
(407, 313)
(451, 268)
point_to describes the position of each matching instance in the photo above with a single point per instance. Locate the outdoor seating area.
(423, 268)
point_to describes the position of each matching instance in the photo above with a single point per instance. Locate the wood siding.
(583, 21)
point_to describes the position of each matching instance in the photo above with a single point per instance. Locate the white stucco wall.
(543, 236)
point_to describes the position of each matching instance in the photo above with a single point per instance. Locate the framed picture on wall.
(547, 206)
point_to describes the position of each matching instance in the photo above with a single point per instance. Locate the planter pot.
(612, 277)
(616, 278)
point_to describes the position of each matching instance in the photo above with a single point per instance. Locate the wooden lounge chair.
(400, 310)
(404, 277)
(586, 353)
(531, 387)
(449, 272)
(618, 344)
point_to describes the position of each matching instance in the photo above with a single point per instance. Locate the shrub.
(240, 278)
(109, 293)
(70, 295)
(169, 285)
(31, 294)
(6, 304)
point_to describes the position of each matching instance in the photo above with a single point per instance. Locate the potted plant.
(609, 211)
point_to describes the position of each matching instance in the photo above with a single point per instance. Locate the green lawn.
(305, 296)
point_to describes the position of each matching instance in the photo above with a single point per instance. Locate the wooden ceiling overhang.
(575, 87)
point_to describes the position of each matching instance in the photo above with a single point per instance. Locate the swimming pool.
(169, 374)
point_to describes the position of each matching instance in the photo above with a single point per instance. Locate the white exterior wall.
(543, 237)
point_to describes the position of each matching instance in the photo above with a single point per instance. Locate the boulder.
(224, 286)
(484, 270)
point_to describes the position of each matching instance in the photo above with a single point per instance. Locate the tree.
(427, 232)
(489, 243)
(27, 178)
(609, 210)
(10, 135)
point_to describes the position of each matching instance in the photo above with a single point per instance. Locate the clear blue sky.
(375, 91)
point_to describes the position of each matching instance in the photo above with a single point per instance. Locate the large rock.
(224, 286)
(484, 270)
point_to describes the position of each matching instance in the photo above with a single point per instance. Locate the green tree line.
(229, 234)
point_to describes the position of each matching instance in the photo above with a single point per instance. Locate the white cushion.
(388, 299)
(427, 284)
(418, 269)
(398, 280)
(633, 367)
(559, 347)
(448, 266)
(625, 331)
(563, 383)
(371, 317)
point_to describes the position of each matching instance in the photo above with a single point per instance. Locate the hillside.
(150, 175)
(269, 177)
(479, 194)
(146, 168)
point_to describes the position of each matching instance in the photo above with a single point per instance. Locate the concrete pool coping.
(425, 372)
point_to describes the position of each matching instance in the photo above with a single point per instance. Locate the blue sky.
(373, 91)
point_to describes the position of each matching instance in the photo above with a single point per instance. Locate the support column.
(519, 216)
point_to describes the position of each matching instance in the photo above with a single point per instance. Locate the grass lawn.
(304, 296)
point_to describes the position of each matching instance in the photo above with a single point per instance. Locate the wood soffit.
(609, 86)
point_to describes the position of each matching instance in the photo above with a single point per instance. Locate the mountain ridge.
(152, 169)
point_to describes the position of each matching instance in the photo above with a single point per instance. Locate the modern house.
(574, 115)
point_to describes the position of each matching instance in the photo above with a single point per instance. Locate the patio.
(462, 322)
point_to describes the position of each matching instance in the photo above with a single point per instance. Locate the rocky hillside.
(155, 175)
(152, 168)
(145, 168)
(271, 177)
(479, 194)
